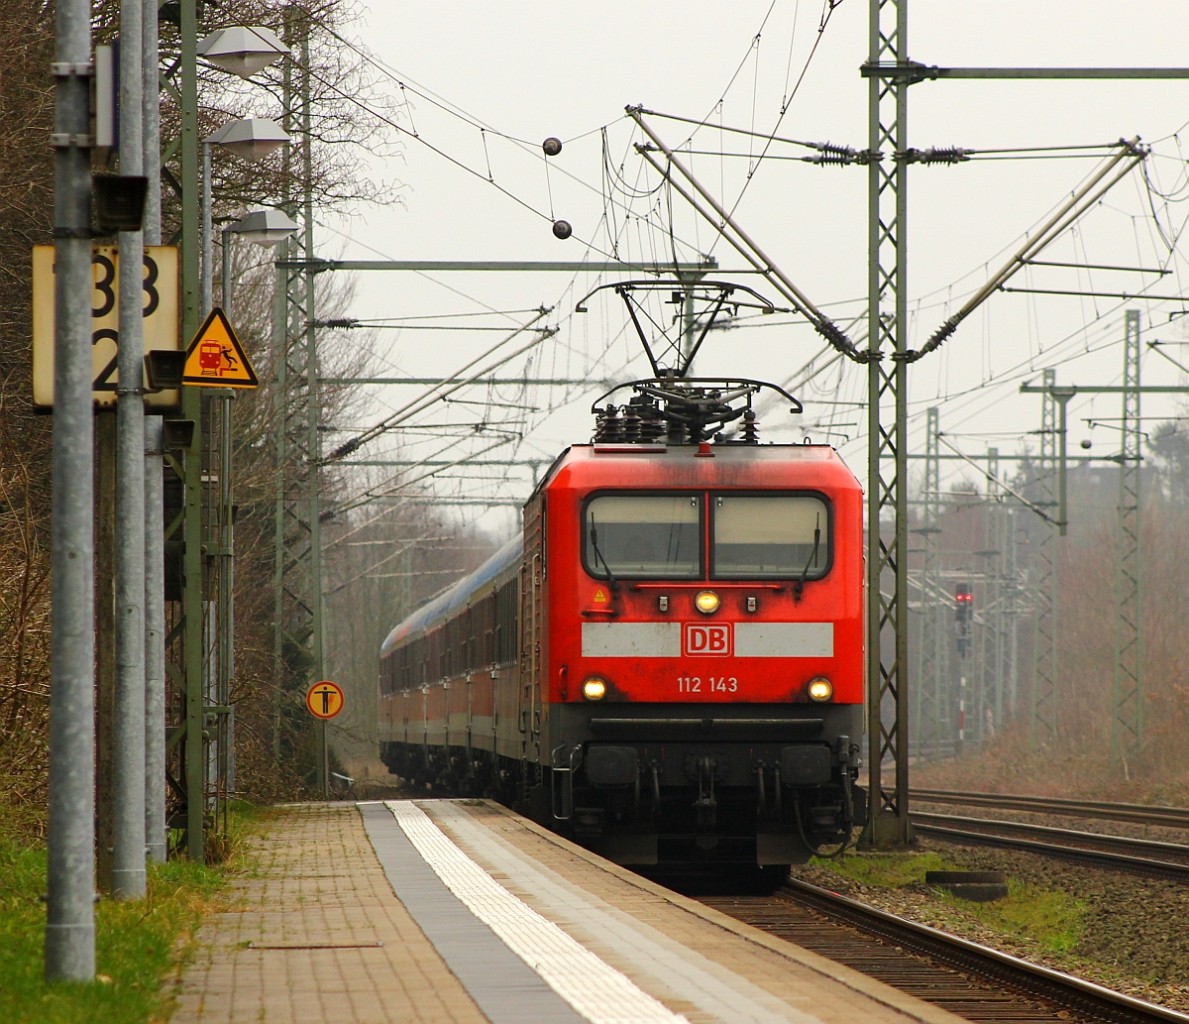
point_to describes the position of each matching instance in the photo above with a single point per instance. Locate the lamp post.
(191, 651)
(265, 228)
(252, 139)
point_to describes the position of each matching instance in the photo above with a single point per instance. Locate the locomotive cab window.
(770, 536)
(643, 535)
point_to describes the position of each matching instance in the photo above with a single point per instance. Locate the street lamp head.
(264, 227)
(242, 50)
(252, 138)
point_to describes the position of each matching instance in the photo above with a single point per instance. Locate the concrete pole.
(128, 880)
(151, 120)
(154, 586)
(70, 912)
(154, 484)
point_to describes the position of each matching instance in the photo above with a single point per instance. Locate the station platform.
(459, 912)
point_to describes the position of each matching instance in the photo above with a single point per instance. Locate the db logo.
(707, 641)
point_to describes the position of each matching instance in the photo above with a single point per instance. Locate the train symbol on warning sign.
(215, 357)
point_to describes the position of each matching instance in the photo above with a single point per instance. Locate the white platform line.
(595, 989)
(716, 990)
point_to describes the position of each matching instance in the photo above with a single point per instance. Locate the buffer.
(215, 357)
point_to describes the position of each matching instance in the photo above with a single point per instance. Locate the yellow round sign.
(324, 699)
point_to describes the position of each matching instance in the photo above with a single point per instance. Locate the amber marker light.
(820, 689)
(594, 688)
(707, 602)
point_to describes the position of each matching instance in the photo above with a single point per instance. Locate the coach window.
(643, 535)
(765, 536)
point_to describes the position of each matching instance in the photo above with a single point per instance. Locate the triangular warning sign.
(215, 357)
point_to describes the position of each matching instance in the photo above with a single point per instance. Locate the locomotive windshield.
(769, 536)
(650, 535)
(752, 536)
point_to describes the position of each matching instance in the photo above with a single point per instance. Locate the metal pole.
(128, 880)
(1043, 691)
(280, 362)
(154, 485)
(70, 912)
(888, 824)
(325, 764)
(281, 355)
(1127, 687)
(206, 242)
(226, 563)
(214, 685)
(193, 582)
(313, 408)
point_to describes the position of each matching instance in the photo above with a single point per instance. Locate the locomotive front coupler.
(707, 803)
(762, 809)
(847, 755)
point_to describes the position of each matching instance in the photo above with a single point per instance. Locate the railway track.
(1120, 853)
(1148, 857)
(976, 983)
(1139, 814)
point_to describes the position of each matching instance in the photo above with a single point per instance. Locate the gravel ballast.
(1134, 936)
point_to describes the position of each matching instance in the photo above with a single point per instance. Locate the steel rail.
(930, 824)
(1148, 814)
(1034, 979)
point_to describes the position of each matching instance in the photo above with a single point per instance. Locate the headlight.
(594, 688)
(820, 689)
(707, 602)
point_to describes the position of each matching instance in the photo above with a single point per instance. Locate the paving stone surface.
(315, 934)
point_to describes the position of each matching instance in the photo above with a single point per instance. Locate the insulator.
(936, 155)
(631, 424)
(831, 153)
(751, 428)
(608, 426)
(829, 160)
(948, 155)
(652, 427)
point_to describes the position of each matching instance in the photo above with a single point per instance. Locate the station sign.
(160, 312)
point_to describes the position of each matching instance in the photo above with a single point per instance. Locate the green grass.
(889, 870)
(136, 941)
(1053, 919)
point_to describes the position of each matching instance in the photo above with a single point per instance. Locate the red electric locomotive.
(668, 664)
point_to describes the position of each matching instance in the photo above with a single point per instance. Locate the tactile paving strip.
(595, 990)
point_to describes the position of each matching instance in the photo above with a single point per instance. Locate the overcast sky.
(478, 87)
